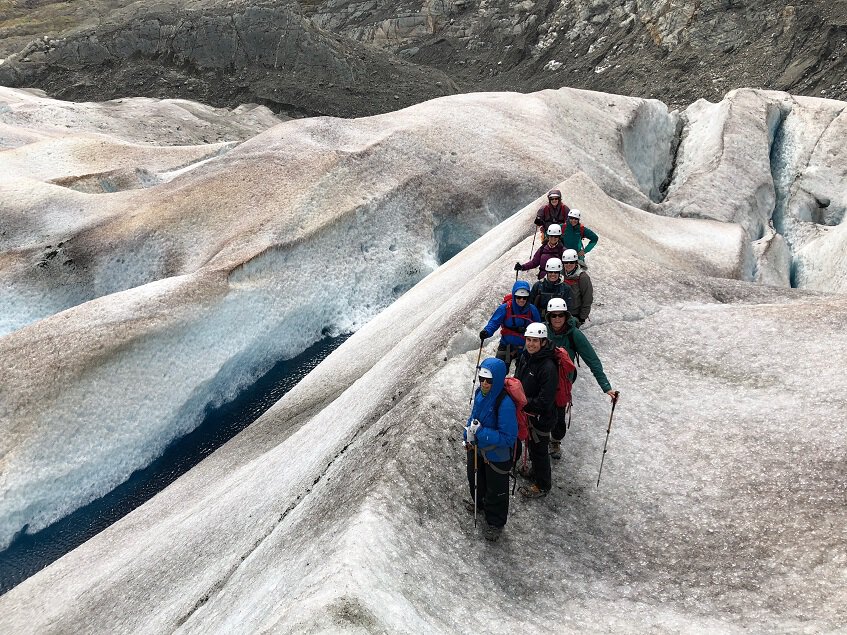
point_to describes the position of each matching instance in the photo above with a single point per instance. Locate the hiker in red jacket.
(555, 212)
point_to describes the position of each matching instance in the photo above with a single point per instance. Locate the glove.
(518, 266)
(484, 335)
(472, 428)
(539, 222)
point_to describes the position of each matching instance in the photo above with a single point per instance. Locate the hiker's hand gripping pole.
(608, 430)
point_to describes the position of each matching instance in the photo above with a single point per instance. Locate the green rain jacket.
(575, 343)
(572, 237)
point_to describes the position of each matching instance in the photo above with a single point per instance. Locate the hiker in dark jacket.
(554, 212)
(574, 232)
(491, 431)
(582, 289)
(552, 286)
(562, 331)
(512, 317)
(539, 374)
(551, 248)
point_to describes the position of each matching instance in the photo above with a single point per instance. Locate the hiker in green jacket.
(563, 330)
(575, 232)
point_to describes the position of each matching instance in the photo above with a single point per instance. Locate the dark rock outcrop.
(359, 57)
(674, 51)
(223, 54)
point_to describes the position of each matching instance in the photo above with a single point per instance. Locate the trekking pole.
(475, 488)
(534, 236)
(608, 430)
(531, 249)
(475, 372)
(513, 473)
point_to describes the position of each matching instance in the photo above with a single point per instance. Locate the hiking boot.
(492, 533)
(556, 450)
(525, 471)
(470, 506)
(533, 491)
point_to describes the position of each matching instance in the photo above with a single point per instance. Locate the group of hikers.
(535, 322)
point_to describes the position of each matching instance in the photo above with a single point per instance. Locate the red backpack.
(505, 330)
(513, 387)
(566, 367)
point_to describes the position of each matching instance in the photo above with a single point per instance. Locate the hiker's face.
(533, 345)
(521, 300)
(553, 240)
(485, 384)
(573, 221)
(570, 266)
(554, 201)
(557, 321)
(553, 276)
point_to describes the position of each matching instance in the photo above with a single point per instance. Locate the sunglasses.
(486, 380)
(521, 297)
(553, 316)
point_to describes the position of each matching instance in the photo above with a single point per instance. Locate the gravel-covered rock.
(223, 54)
(360, 57)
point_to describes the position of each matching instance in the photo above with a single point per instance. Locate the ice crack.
(218, 586)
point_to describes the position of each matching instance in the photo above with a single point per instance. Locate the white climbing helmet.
(554, 230)
(536, 329)
(522, 293)
(575, 213)
(553, 265)
(484, 373)
(556, 305)
(570, 255)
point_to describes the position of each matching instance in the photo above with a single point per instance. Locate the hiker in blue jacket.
(512, 317)
(491, 432)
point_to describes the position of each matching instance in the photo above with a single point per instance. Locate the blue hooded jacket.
(520, 319)
(498, 433)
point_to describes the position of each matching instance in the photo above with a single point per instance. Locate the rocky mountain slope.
(220, 53)
(346, 58)
(675, 51)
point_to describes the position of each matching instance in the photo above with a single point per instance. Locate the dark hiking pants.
(539, 454)
(508, 353)
(561, 427)
(493, 496)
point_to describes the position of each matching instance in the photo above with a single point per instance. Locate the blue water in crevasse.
(29, 553)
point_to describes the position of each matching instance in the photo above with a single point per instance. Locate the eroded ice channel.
(29, 553)
(277, 315)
